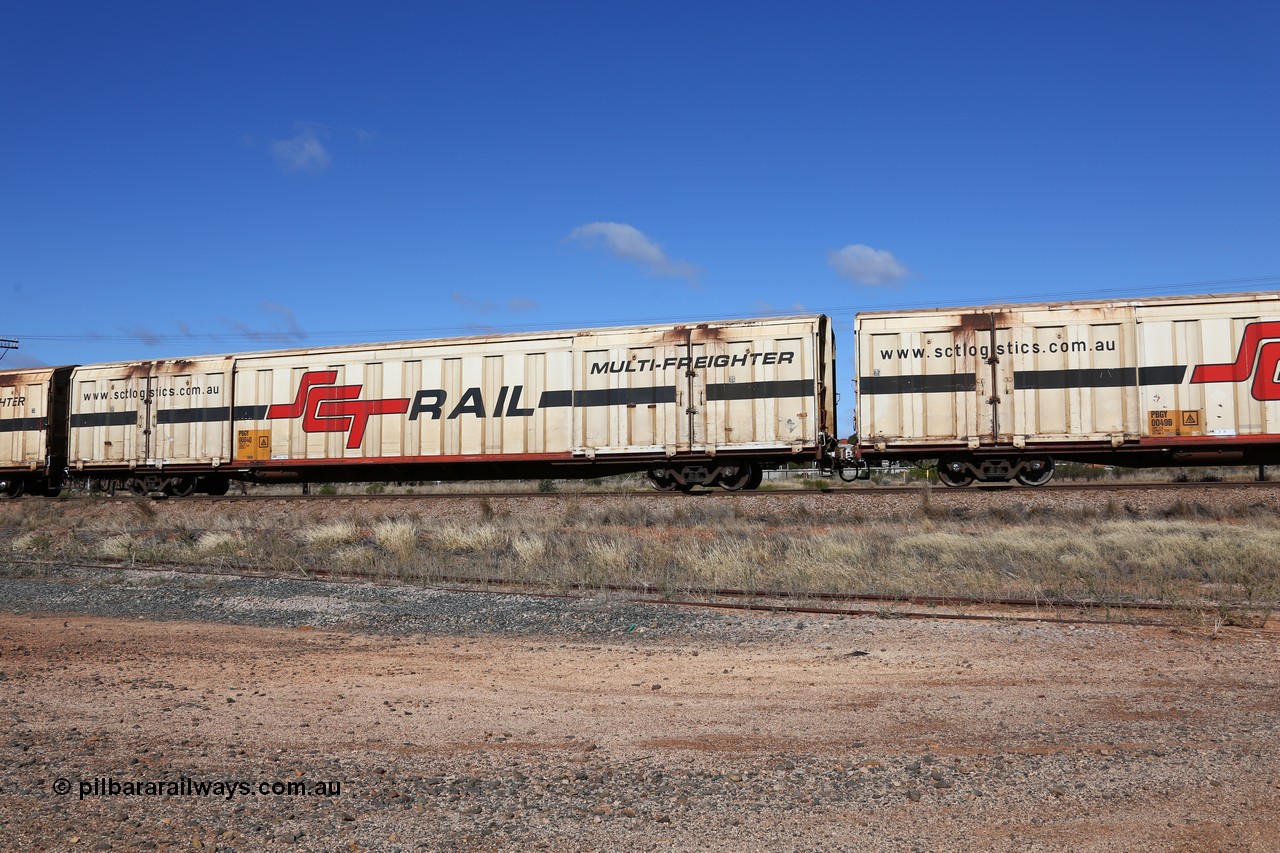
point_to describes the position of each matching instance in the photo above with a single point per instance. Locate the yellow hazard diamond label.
(1166, 422)
(253, 444)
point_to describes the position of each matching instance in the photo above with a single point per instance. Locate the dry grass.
(122, 546)
(398, 538)
(1184, 554)
(216, 542)
(467, 538)
(329, 535)
(32, 542)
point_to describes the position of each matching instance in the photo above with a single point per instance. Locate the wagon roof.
(1063, 305)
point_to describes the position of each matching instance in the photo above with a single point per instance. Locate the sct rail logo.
(1259, 357)
(326, 407)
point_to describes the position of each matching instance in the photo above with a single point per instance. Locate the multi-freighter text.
(701, 362)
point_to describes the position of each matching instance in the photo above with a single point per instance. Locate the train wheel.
(12, 488)
(954, 471)
(757, 477)
(136, 487)
(739, 477)
(215, 486)
(1037, 472)
(662, 480)
(180, 487)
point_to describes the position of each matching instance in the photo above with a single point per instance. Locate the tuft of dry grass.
(357, 560)
(398, 538)
(329, 535)
(218, 542)
(453, 536)
(122, 546)
(32, 542)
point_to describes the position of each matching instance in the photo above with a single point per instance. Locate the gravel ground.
(477, 722)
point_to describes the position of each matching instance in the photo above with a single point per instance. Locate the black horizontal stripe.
(607, 397)
(21, 424)
(249, 413)
(556, 400)
(1083, 377)
(759, 390)
(1168, 374)
(667, 394)
(625, 396)
(920, 383)
(193, 416)
(97, 419)
(1100, 377)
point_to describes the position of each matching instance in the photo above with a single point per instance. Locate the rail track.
(872, 505)
(1063, 611)
(861, 492)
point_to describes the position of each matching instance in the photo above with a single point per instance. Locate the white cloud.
(866, 265)
(304, 152)
(628, 243)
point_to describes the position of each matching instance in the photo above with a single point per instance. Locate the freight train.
(994, 394)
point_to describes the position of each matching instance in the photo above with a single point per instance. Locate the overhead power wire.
(298, 337)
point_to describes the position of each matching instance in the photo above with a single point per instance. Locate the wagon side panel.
(917, 380)
(25, 417)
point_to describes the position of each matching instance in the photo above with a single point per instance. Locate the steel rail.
(864, 491)
(763, 601)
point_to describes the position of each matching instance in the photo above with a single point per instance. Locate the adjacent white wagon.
(33, 430)
(999, 392)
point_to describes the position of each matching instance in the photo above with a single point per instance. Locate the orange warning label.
(1163, 422)
(253, 444)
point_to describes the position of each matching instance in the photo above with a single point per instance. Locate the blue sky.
(190, 178)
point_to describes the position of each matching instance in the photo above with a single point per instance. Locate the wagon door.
(108, 417)
(984, 339)
(757, 389)
(188, 414)
(695, 418)
(631, 394)
(147, 419)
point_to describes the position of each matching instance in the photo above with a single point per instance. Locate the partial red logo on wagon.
(1259, 357)
(327, 407)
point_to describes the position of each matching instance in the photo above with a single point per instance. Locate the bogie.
(731, 476)
(961, 469)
